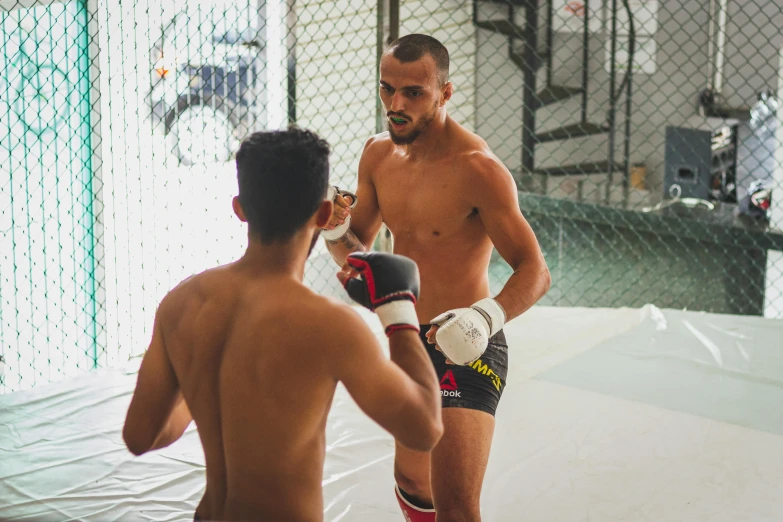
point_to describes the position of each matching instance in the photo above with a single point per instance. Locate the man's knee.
(415, 486)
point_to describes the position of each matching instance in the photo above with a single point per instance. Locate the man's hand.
(387, 284)
(463, 334)
(346, 272)
(340, 222)
(343, 204)
(431, 340)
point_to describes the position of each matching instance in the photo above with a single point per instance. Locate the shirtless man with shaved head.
(448, 200)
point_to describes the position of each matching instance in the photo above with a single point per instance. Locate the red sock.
(411, 512)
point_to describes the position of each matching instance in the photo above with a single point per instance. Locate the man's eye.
(415, 93)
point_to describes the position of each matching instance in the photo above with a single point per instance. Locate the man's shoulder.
(201, 285)
(378, 144)
(195, 281)
(480, 161)
(376, 149)
(338, 313)
(181, 291)
(484, 171)
(334, 312)
(381, 137)
(473, 151)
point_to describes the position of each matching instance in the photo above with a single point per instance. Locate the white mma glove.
(339, 231)
(463, 333)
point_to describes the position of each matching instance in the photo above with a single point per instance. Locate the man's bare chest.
(427, 202)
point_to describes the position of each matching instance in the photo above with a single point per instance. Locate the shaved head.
(413, 47)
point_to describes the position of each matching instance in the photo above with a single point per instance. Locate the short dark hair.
(283, 177)
(412, 47)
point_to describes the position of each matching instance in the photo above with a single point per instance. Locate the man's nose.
(397, 103)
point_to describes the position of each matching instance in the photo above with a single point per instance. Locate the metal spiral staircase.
(531, 53)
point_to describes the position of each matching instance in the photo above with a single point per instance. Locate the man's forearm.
(178, 422)
(523, 289)
(407, 352)
(340, 248)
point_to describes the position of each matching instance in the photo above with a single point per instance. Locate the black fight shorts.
(477, 386)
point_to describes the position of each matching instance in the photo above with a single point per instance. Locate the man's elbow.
(133, 442)
(426, 437)
(435, 433)
(546, 279)
(429, 426)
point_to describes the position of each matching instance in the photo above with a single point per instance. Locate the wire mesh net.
(645, 137)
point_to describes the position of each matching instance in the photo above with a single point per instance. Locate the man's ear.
(238, 209)
(446, 93)
(324, 213)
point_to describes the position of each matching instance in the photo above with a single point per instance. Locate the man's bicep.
(507, 228)
(156, 394)
(513, 237)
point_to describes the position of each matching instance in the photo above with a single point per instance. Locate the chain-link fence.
(645, 137)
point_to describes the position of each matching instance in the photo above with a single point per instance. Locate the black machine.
(701, 164)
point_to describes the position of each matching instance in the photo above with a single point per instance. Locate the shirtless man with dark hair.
(253, 356)
(447, 201)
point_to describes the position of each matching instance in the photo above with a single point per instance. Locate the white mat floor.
(608, 415)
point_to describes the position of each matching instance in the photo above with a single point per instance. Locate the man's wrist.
(403, 340)
(492, 312)
(338, 232)
(397, 315)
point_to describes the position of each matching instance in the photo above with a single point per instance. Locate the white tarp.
(608, 415)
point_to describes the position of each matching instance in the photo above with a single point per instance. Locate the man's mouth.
(397, 123)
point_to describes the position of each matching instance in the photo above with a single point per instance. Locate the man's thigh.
(459, 461)
(469, 396)
(454, 471)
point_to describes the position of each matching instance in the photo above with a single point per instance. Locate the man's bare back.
(241, 371)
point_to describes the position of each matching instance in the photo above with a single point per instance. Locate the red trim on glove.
(396, 297)
(396, 327)
(359, 264)
(369, 278)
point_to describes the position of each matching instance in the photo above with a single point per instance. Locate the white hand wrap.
(463, 333)
(339, 231)
(398, 314)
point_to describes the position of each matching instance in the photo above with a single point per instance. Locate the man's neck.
(279, 259)
(431, 141)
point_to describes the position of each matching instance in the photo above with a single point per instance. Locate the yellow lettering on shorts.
(480, 367)
(494, 378)
(483, 369)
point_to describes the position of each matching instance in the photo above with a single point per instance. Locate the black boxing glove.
(388, 285)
